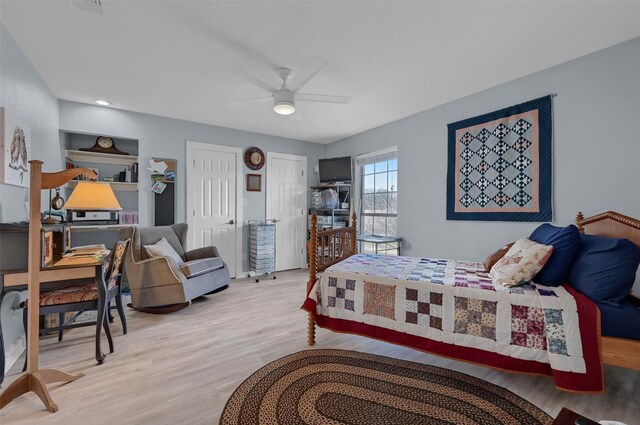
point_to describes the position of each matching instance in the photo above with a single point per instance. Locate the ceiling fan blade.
(303, 76)
(325, 98)
(249, 78)
(252, 101)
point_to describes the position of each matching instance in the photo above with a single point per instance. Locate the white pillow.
(521, 263)
(162, 248)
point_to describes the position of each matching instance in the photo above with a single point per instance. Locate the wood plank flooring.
(181, 368)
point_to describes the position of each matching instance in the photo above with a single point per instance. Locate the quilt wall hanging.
(499, 165)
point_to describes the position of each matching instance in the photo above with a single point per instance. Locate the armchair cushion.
(162, 248)
(199, 267)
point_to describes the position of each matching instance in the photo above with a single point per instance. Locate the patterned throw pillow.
(523, 260)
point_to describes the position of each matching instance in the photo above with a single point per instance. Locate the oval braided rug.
(340, 386)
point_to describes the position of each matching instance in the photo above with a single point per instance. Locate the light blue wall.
(166, 137)
(596, 152)
(24, 94)
(28, 97)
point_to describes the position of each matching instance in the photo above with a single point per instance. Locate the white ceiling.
(394, 58)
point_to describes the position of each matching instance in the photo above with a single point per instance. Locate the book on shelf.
(134, 172)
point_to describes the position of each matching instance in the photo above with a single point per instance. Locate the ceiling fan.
(285, 97)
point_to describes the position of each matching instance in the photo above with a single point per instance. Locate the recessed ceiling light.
(103, 102)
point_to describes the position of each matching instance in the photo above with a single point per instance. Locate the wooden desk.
(16, 280)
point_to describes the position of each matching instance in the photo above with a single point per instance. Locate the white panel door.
(287, 204)
(214, 203)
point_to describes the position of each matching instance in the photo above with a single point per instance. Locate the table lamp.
(95, 196)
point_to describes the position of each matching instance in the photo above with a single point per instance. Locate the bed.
(453, 309)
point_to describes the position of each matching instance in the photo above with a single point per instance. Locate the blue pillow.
(565, 242)
(605, 268)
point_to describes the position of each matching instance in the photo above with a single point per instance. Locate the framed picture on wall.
(254, 182)
(15, 150)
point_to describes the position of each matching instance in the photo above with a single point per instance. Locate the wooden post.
(33, 304)
(313, 255)
(579, 219)
(34, 379)
(354, 234)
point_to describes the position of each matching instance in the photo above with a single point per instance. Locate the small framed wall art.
(254, 182)
(15, 150)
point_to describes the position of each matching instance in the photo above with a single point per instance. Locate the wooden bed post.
(313, 255)
(579, 219)
(354, 234)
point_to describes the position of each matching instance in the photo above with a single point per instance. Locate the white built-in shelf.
(100, 158)
(99, 227)
(114, 185)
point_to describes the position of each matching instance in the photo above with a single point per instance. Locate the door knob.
(232, 222)
(275, 221)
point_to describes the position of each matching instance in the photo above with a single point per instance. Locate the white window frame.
(361, 160)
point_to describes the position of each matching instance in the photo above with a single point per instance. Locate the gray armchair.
(157, 281)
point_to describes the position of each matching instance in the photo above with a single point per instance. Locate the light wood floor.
(181, 368)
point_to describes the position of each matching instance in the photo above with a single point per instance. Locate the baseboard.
(13, 353)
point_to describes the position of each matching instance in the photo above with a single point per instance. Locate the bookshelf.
(107, 166)
(332, 217)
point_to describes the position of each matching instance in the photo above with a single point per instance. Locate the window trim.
(365, 159)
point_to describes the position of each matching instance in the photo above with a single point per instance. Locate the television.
(334, 170)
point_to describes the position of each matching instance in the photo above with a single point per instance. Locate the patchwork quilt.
(453, 308)
(499, 164)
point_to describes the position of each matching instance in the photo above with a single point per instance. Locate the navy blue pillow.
(565, 242)
(605, 268)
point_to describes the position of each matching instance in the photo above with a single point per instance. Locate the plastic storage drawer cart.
(262, 248)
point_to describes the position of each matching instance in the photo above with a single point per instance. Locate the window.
(378, 174)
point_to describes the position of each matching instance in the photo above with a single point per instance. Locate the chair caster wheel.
(257, 280)
(274, 278)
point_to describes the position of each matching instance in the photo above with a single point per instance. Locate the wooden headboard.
(610, 224)
(330, 246)
(615, 351)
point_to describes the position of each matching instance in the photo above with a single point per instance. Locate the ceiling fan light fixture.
(284, 108)
(284, 102)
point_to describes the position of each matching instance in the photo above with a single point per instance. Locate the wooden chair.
(81, 297)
